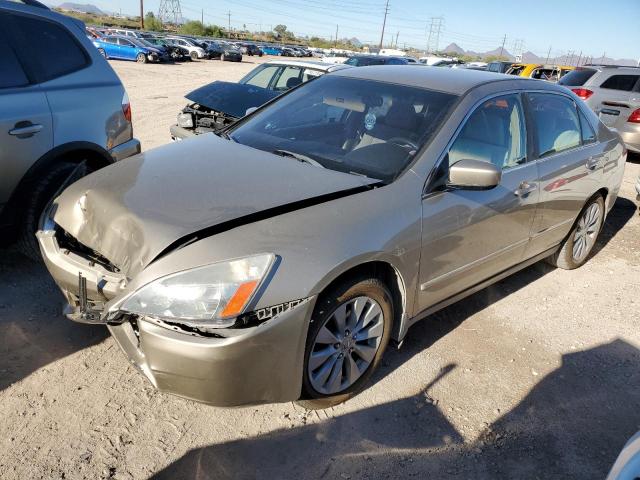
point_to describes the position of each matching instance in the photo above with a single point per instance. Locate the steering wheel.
(404, 143)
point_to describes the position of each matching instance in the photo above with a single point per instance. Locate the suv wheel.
(41, 193)
(578, 245)
(141, 58)
(349, 331)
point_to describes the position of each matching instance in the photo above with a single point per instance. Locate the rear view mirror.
(474, 174)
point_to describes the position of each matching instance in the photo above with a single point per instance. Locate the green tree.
(151, 22)
(213, 31)
(282, 32)
(192, 27)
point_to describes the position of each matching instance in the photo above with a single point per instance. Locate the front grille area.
(68, 242)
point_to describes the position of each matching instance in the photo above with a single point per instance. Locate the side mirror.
(250, 110)
(474, 175)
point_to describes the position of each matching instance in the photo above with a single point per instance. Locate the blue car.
(271, 50)
(127, 48)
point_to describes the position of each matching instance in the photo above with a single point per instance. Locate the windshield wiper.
(298, 156)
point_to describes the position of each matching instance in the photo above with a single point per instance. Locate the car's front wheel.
(349, 331)
(580, 242)
(141, 58)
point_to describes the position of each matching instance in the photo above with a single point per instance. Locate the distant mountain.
(454, 48)
(81, 7)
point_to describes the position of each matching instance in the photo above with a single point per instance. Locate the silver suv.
(64, 113)
(613, 92)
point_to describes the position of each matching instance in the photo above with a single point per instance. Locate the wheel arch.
(385, 271)
(72, 152)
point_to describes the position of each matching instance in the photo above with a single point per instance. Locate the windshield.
(351, 125)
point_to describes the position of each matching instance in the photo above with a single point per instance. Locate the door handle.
(525, 188)
(25, 129)
(592, 162)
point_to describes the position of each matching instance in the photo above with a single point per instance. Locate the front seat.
(400, 121)
(293, 82)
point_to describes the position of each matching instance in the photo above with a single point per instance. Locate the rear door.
(472, 235)
(25, 118)
(570, 164)
(127, 49)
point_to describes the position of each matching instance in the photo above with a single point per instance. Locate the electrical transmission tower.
(518, 47)
(170, 12)
(435, 28)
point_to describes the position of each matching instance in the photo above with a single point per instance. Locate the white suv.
(613, 92)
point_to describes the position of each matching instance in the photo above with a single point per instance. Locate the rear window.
(620, 82)
(51, 47)
(577, 78)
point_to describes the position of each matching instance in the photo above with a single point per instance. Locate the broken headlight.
(185, 120)
(213, 295)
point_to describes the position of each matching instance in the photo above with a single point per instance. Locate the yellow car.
(551, 73)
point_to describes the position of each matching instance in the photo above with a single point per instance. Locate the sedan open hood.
(133, 210)
(231, 98)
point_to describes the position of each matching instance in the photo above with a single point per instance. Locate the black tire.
(193, 55)
(260, 54)
(564, 257)
(141, 58)
(327, 304)
(102, 52)
(41, 192)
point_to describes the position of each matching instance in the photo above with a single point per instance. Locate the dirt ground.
(534, 378)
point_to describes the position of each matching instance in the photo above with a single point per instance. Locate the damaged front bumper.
(258, 362)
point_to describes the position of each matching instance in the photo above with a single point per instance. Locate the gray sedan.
(276, 261)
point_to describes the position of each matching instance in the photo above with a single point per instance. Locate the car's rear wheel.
(102, 52)
(41, 192)
(349, 331)
(193, 55)
(576, 248)
(141, 58)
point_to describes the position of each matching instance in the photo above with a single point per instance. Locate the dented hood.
(133, 210)
(233, 99)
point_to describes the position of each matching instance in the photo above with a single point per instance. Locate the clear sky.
(593, 27)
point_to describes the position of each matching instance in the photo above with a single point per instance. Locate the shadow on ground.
(33, 332)
(571, 425)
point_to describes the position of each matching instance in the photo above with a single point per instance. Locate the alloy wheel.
(346, 345)
(586, 232)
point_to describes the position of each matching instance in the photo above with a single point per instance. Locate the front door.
(471, 235)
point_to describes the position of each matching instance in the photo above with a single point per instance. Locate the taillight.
(635, 116)
(583, 93)
(126, 107)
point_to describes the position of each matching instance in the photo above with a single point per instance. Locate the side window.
(495, 132)
(620, 82)
(310, 73)
(262, 78)
(124, 42)
(588, 135)
(556, 123)
(46, 41)
(289, 78)
(11, 72)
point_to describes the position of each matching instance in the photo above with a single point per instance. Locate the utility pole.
(504, 40)
(604, 54)
(397, 35)
(548, 55)
(336, 42)
(579, 58)
(384, 22)
(229, 31)
(202, 16)
(142, 14)
(434, 34)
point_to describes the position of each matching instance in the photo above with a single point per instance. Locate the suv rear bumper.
(126, 149)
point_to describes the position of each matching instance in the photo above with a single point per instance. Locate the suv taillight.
(126, 107)
(583, 93)
(635, 116)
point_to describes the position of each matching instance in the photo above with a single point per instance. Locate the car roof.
(455, 81)
(325, 67)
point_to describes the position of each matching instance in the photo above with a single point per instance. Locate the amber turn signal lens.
(239, 299)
